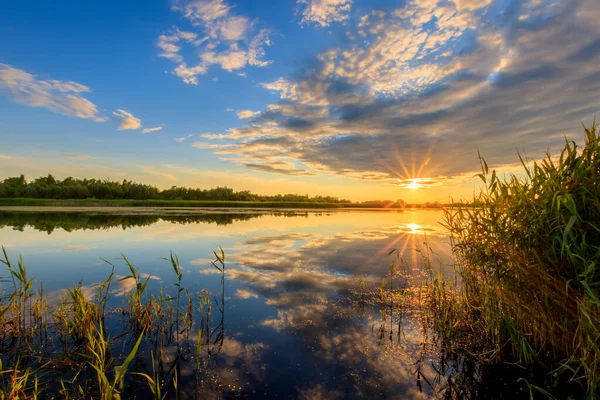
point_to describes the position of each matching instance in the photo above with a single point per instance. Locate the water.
(290, 331)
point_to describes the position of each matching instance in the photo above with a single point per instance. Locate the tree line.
(49, 187)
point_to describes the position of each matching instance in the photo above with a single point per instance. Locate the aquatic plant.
(63, 349)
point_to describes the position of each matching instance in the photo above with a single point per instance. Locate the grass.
(64, 350)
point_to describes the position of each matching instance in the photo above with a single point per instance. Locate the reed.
(64, 350)
(527, 252)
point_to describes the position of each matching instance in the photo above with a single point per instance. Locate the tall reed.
(528, 250)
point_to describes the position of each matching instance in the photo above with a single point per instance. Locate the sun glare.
(414, 184)
(414, 228)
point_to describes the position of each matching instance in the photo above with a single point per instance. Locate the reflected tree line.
(49, 221)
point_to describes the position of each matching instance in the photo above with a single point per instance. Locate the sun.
(414, 184)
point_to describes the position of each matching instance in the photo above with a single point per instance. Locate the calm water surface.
(288, 331)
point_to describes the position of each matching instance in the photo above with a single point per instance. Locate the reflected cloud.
(245, 294)
(291, 280)
(78, 247)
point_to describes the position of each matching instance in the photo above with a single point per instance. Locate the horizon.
(354, 99)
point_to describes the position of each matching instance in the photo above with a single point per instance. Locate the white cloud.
(226, 40)
(148, 130)
(126, 120)
(3, 157)
(246, 114)
(234, 28)
(202, 11)
(229, 60)
(189, 75)
(180, 139)
(62, 97)
(324, 12)
(256, 50)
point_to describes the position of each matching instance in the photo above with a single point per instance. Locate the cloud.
(202, 11)
(227, 40)
(203, 145)
(78, 247)
(62, 97)
(324, 12)
(247, 114)
(245, 294)
(414, 92)
(148, 130)
(74, 156)
(5, 157)
(271, 167)
(180, 139)
(126, 120)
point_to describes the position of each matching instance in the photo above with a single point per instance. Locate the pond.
(289, 327)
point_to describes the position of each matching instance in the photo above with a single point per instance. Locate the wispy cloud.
(148, 130)
(203, 145)
(4, 157)
(74, 156)
(126, 120)
(324, 12)
(227, 40)
(78, 247)
(62, 97)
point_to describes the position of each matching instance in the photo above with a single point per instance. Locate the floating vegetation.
(78, 349)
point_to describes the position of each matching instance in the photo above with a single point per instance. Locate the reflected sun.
(414, 228)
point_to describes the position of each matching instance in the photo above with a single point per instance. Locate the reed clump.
(527, 251)
(78, 348)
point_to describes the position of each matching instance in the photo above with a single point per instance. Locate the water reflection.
(49, 221)
(289, 330)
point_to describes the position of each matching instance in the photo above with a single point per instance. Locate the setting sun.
(414, 185)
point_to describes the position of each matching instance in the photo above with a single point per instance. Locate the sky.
(360, 99)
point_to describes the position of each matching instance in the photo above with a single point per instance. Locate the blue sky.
(358, 99)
